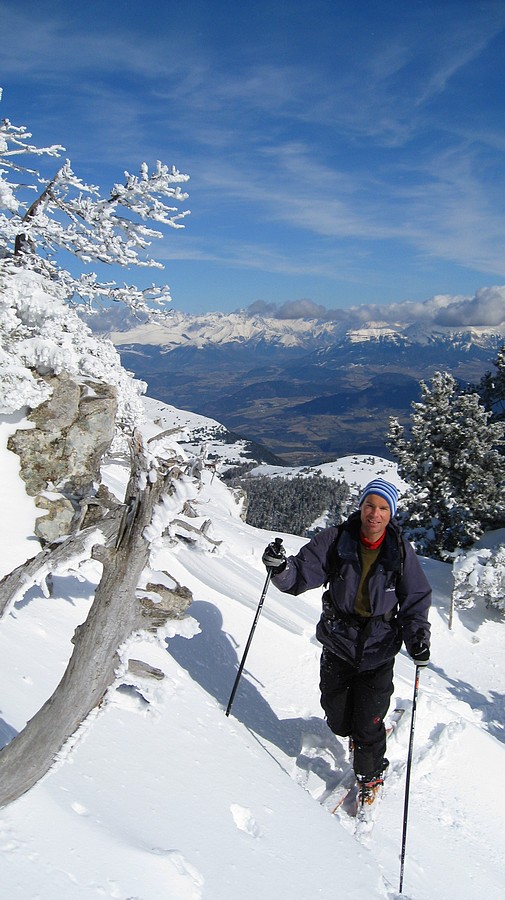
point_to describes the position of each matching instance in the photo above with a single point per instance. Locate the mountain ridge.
(308, 390)
(182, 329)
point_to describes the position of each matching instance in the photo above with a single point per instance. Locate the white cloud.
(301, 309)
(485, 308)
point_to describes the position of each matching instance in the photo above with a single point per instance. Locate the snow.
(40, 334)
(183, 330)
(160, 796)
(214, 328)
(18, 542)
(356, 470)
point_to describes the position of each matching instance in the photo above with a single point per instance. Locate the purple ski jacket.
(400, 595)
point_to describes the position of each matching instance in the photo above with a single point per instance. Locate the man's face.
(375, 515)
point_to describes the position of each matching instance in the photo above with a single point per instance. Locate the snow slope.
(162, 797)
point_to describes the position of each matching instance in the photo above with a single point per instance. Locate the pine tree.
(492, 387)
(292, 504)
(453, 465)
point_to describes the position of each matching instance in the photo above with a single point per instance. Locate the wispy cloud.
(339, 146)
(441, 206)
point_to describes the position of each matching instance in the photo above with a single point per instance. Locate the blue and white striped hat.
(383, 489)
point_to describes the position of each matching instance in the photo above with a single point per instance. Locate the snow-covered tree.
(47, 222)
(492, 387)
(43, 341)
(479, 575)
(40, 335)
(452, 462)
(44, 218)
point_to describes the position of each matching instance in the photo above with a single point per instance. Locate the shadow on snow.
(211, 660)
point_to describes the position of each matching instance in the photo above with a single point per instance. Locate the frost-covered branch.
(14, 142)
(68, 215)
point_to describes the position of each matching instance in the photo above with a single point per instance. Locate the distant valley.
(309, 391)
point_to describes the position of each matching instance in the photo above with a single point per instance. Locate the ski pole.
(278, 542)
(407, 780)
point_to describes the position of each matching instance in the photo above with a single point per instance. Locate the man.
(377, 598)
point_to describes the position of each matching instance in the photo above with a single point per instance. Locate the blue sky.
(340, 153)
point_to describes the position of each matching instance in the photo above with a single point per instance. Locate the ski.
(366, 812)
(346, 789)
(337, 797)
(394, 719)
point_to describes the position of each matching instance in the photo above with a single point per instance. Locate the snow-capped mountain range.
(308, 389)
(218, 329)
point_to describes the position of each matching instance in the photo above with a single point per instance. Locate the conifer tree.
(452, 462)
(492, 387)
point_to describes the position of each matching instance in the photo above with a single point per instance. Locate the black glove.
(420, 653)
(274, 557)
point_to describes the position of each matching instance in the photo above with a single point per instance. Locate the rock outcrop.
(60, 457)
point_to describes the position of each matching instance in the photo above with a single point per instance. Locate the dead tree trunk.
(114, 615)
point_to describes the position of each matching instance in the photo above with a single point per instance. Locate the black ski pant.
(356, 704)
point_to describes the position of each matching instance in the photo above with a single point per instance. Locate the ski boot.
(370, 788)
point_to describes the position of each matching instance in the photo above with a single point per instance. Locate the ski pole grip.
(278, 542)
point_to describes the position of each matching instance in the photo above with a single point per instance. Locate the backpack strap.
(333, 558)
(401, 548)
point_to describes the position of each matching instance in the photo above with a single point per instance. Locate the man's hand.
(420, 653)
(274, 557)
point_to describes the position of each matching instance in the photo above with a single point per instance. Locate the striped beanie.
(383, 489)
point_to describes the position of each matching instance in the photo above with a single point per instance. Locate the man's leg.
(336, 692)
(371, 696)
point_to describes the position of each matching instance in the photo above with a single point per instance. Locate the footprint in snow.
(79, 809)
(244, 820)
(185, 878)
